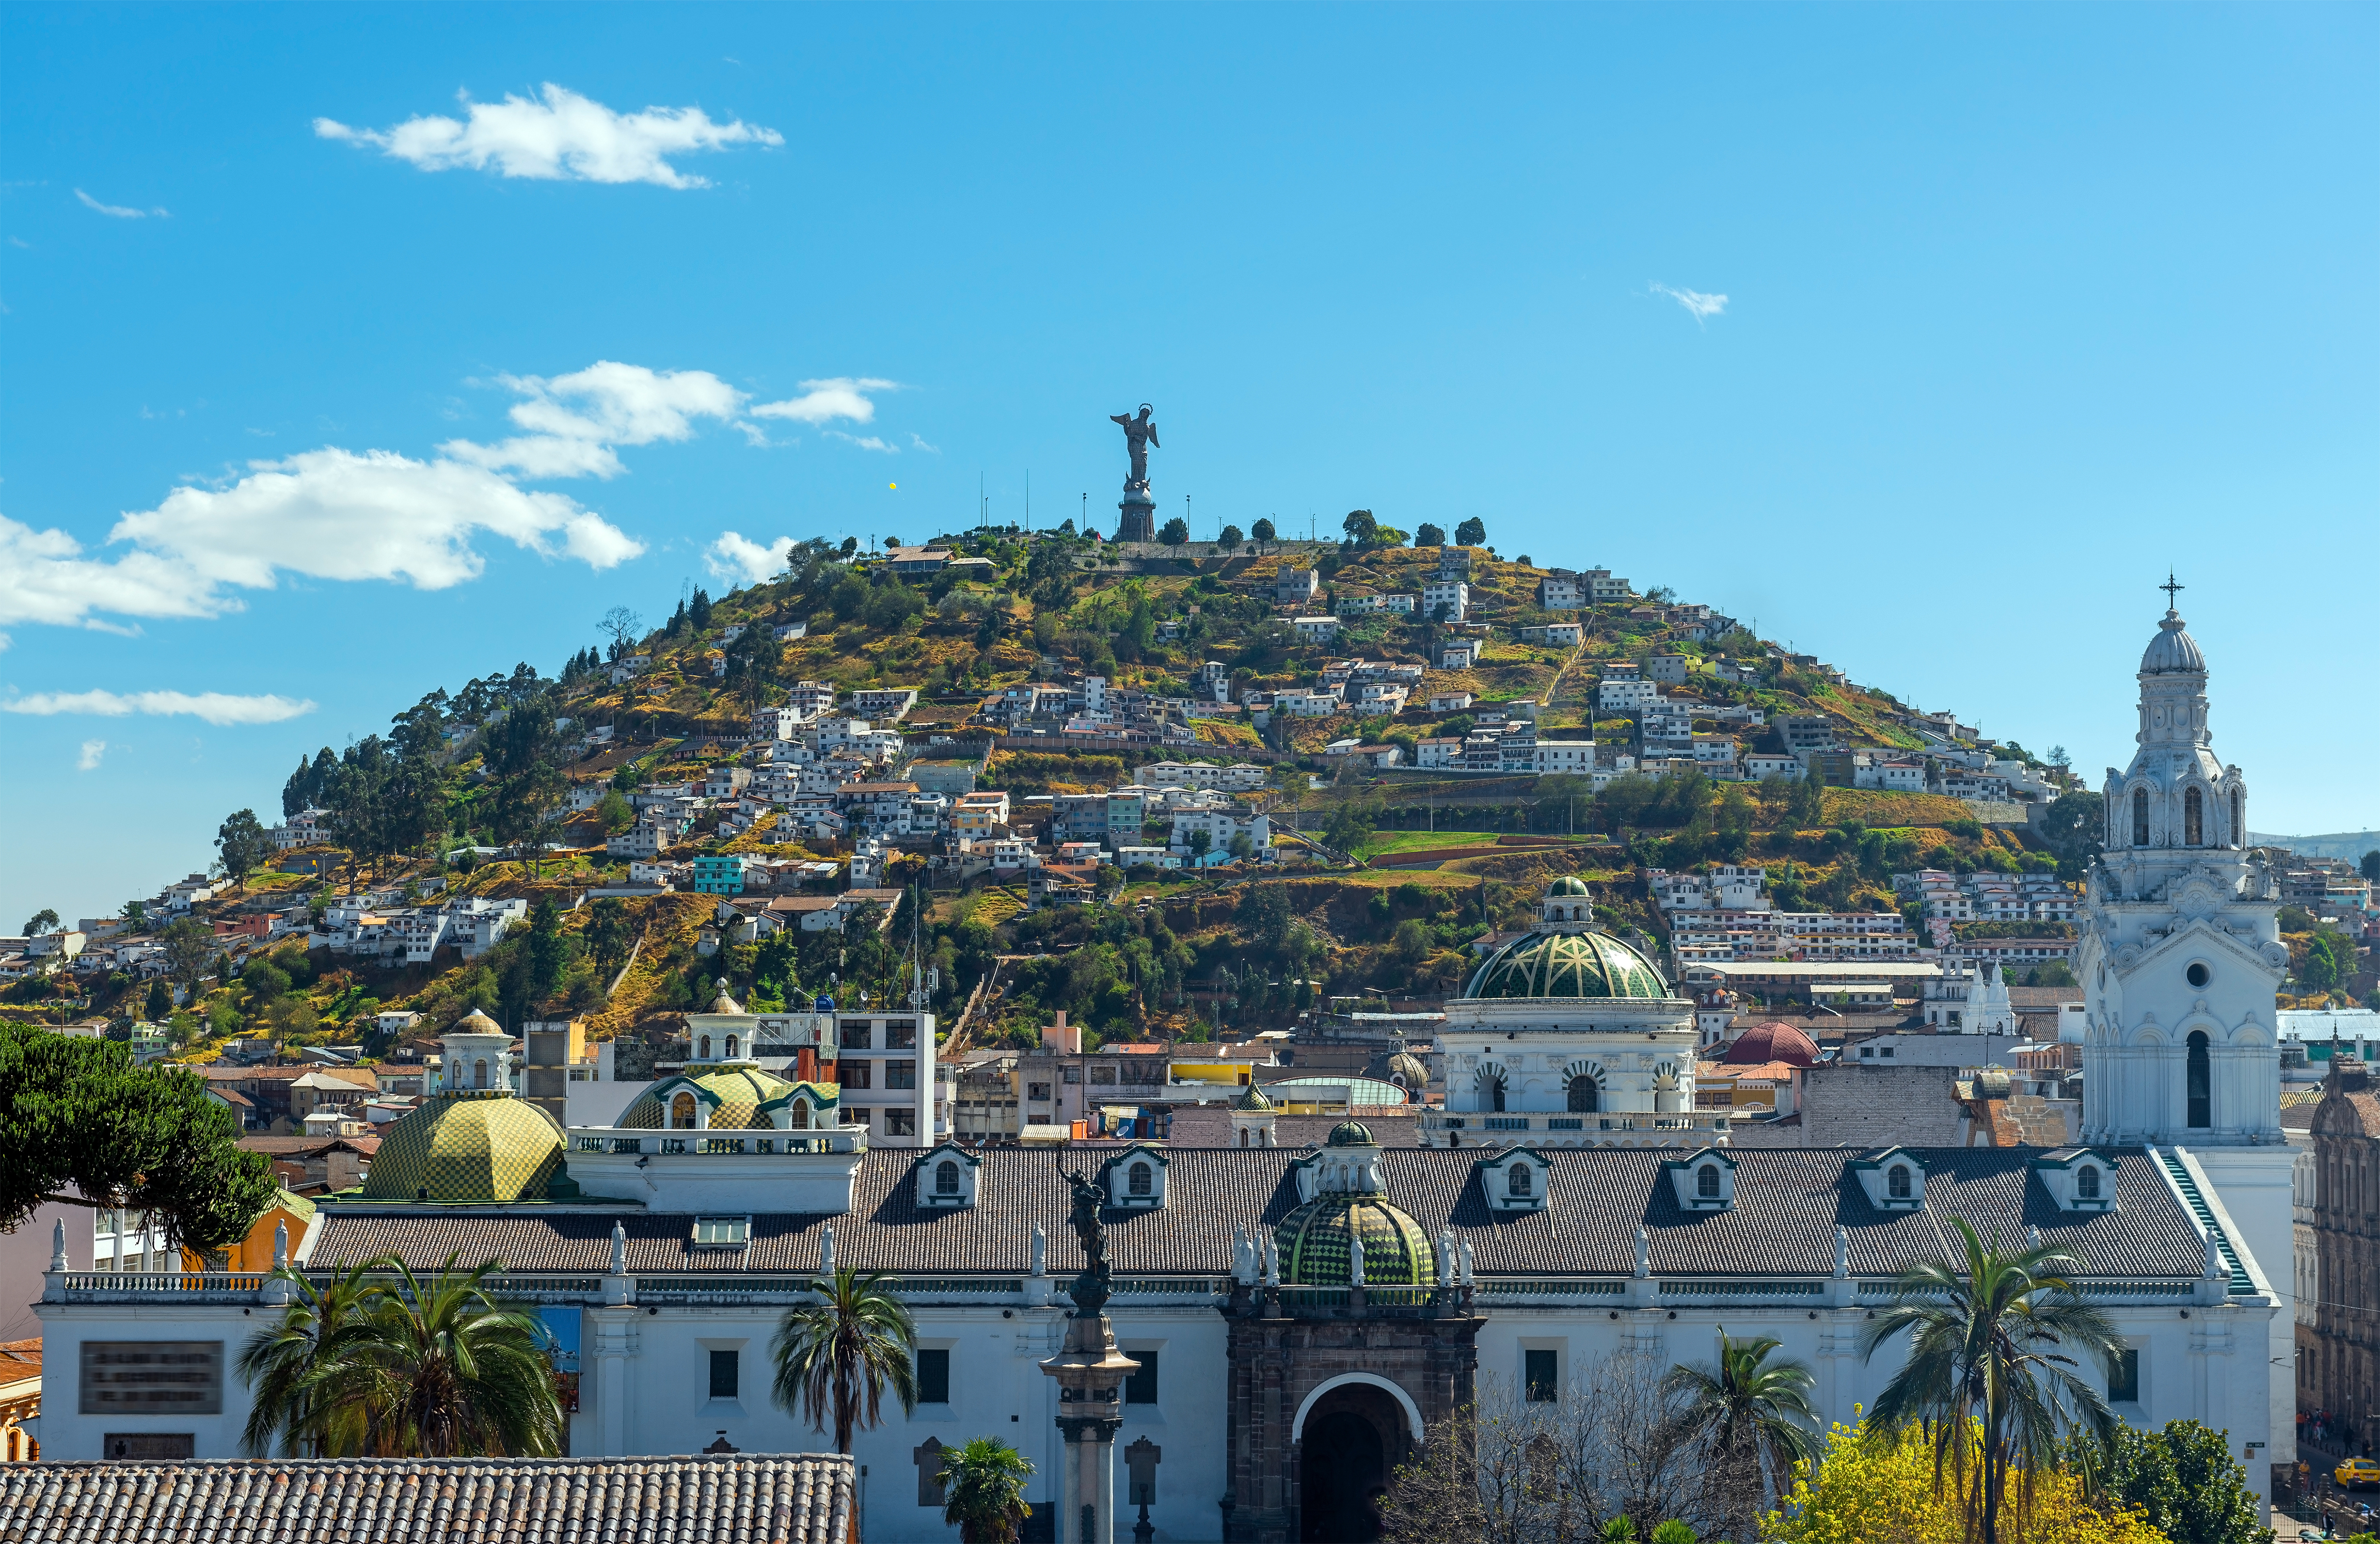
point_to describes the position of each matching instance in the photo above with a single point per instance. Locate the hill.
(1048, 667)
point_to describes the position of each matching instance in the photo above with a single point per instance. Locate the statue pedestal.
(1090, 1373)
(1139, 516)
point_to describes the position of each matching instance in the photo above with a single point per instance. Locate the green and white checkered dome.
(1314, 1252)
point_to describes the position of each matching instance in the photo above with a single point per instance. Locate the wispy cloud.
(91, 751)
(562, 136)
(214, 707)
(919, 442)
(118, 211)
(821, 402)
(865, 442)
(1702, 307)
(736, 559)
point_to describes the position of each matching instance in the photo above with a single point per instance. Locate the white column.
(1070, 1502)
(1105, 1484)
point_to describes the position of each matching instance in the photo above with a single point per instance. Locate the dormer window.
(1896, 1182)
(1136, 1179)
(2086, 1182)
(1517, 1181)
(721, 1232)
(1893, 1178)
(1707, 1182)
(1139, 1179)
(946, 1177)
(682, 1113)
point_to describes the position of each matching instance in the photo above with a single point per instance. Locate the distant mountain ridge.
(2348, 844)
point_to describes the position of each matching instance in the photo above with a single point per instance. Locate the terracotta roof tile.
(794, 1499)
(1788, 1204)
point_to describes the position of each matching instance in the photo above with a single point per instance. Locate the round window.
(2198, 974)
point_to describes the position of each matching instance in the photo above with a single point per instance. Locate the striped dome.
(1313, 1241)
(1566, 965)
(473, 1145)
(738, 1096)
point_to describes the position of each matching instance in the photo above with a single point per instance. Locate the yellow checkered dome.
(1314, 1250)
(473, 1145)
(737, 1097)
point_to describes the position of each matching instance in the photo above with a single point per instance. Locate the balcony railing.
(643, 1142)
(1634, 1121)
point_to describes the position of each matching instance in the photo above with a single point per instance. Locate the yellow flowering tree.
(1877, 1486)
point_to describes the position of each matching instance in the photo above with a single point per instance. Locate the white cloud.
(735, 559)
(1701, 306)
(918, 441)
(563, 137)
(118, 211)
(824, 401)
(866, 442)
(91, 751)
(216, 707)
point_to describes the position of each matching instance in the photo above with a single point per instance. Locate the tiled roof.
(794, 1499)
(1788, 1203)
(306, 1146)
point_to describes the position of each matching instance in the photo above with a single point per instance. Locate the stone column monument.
(1138, 522)
(1091, 1374)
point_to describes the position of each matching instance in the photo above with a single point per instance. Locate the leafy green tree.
(1361, 528)
(2369, 867)
(136, 915)
(159, 1004)
(1751, 1412)
(189, 946)
(549, 950)
(607, 934)
(1673, 1532)
(616, 813)
(1993, 1341)
(1262, 530)
(983, 1490)
(1229, 538)
(837, 1357)
(41, 922)
(1174, 532)
(1429, 535)
(1472, 532)
(1351, 824)
(2071, 828)
(433, 1366)
(87, 1127)
(2183, 1480)
(242, 845)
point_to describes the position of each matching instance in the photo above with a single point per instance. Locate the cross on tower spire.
(2171, 588)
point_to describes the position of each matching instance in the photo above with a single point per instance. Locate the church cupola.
(2175, 797)
(1566, 909)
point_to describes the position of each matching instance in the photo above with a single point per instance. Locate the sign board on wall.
(152, 1377)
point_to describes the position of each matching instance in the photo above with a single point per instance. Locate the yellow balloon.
(894, 485)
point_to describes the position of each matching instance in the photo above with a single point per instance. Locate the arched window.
(1586, 1095)
(704, 1055)
(2086, 1182)
(2199, 1083)
(1707, 1181)
(1896, 1182)
(2193, 818)
(946, 1177)
(801, 1115)
(682, 1113)
(1243, 1137)
(2139, 817)
(1138, 1179)
(479, 1075)
(731, 1048)
(1517, 1181)
(1491, 1089)
(2239, 831)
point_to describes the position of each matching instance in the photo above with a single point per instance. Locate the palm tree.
(984, 1491)
(1749, 1406)
(1981, 1375)
(837, 1356)
(284, 1365)
(435, 1368)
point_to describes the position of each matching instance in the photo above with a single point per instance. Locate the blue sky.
(300, 402)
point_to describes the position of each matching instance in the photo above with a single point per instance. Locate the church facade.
(2180, 958)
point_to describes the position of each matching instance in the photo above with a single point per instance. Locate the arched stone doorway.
(1354, 1438)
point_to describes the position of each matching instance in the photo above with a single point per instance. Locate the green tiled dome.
(742, 1093)
(1567, 965)
(1313, 1241)
(479, 1145)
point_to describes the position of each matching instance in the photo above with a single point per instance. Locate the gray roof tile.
(763, 1499)
(1789, 1202)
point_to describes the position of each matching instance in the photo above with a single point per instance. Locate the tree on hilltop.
(40, 922)
(1472, 532)
(1429, 535)
(1174, 532)
(1262, 530)
(241, 843)
(621, 626)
